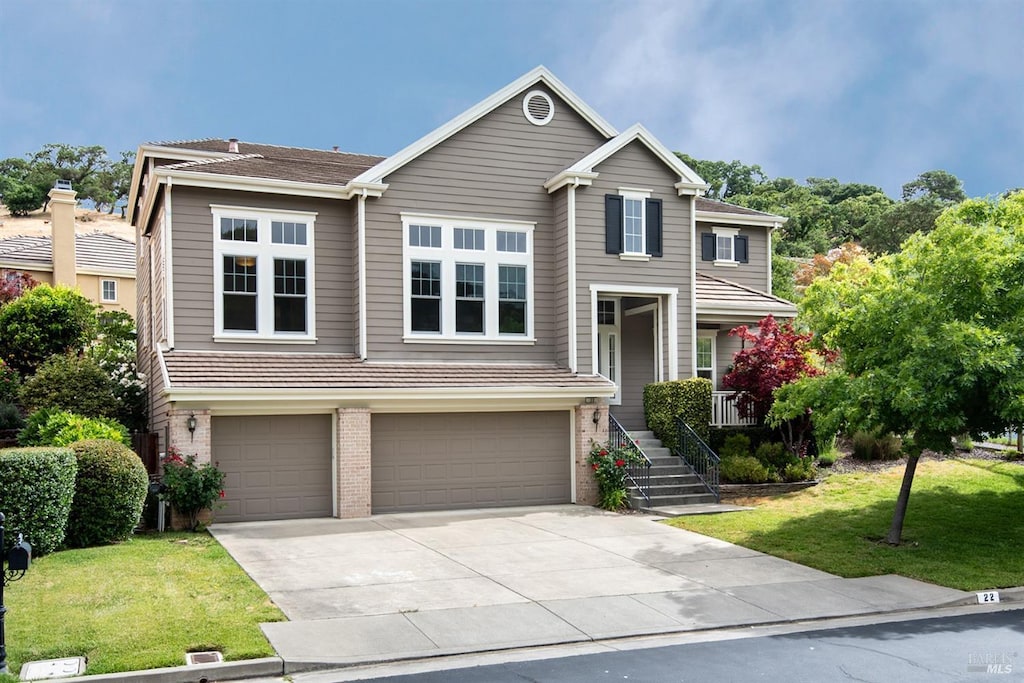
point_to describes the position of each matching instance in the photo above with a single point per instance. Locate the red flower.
(594, 466)
(620, 463)
(603, 452)
(222, 493)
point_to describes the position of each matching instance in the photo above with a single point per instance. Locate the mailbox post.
(17, 561)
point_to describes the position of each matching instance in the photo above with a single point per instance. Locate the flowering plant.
(190, 488)
(609, 463)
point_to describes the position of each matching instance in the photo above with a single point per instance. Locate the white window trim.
(448, 256)
(713, 336)
(730, 233)
(642, 196)
(265, 252)
(104, 299)
(613, 330)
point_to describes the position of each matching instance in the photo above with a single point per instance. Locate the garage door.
(275, 466)
(466, 460)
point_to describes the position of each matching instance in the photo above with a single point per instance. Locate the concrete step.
(666, 461)
(677, 489)
(646, 434)
(637, 501)
(648, 443)
(680, 479)
(656, 451)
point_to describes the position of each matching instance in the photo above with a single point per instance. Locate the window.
(706, 356)
(468, 280)
(724, 246)
(108, 291)
(609, 352)
(633, 224)
(263, 274)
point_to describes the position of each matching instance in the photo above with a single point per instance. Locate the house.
(100, 265)
(447, 327)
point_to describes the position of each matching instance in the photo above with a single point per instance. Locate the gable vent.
(538, 107)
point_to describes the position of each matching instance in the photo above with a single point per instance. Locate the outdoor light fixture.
(597, 415)
(191, 423)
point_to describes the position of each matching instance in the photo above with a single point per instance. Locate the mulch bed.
(850, 464)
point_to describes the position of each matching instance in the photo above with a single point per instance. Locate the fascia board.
(754, 311)
(46, 266)
(246, 183)
(162, 152)
(564, 178)
(540, 74)
(129, 274)
(740, 218)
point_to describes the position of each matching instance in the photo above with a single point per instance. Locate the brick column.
(353, 462)
(588, 433)
(199, 442)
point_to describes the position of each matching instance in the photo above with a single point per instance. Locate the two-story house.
(443, 328)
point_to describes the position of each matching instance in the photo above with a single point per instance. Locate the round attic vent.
(538, 107)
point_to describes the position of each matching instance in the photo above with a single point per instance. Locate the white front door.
(609, 344)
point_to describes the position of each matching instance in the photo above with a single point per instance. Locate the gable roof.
(715, 295)
(97, 251)
(583, 170)
(714, 210)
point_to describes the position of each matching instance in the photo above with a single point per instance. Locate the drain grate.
(209, 657)
(53, 668)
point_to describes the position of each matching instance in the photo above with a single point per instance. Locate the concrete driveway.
(410, 585)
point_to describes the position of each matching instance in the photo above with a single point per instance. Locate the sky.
(865, 91)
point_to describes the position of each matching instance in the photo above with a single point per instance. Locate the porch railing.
(725, 412)
(699, 456)
(638, 469)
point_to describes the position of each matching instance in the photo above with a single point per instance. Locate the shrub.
(110, 488)
(801, 470)
(10, 416)
(10, 382)
(867, 446)
(36, 489)
(53, 427)
(609, 464)
(757, 436)
(743, 469)
(774, 456)
(42, 322)
(14, 283)
(964, 442)
(115, 352)
(191, 488)
(73, 383)
(688, 399)
(21, 199)
(736, 445)
(827, 459)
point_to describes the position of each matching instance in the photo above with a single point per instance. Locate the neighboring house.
(100, 265)
(443, 328)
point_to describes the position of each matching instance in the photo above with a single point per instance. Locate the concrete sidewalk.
(396, 587)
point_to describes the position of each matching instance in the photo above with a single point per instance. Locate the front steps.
(672, 481)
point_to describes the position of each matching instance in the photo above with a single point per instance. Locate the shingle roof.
(255, 160)
(714, 206)
(716, 293)
(190, 369)
(96, 251)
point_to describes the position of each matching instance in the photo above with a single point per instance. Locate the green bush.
(743, 469)
(110, 488)
(191, 488)
(827, 459)
(736, 445)
(10, 382)
(43, 322)
(21, 199)
(36, 489)
(10, 416)
(74, 383)
(801, 470)
(115, 352)
(774, 456)
(757, 436)
(53, 427)
(867, 446)
(688, 399)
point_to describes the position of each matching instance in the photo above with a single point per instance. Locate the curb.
(200, 673)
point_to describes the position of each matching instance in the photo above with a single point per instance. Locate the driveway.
(404, 585)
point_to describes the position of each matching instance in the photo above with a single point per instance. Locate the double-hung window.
(108, 291)
(633, 224)
(467, 280)
(706, 356)
(724, 246)
(263, 275)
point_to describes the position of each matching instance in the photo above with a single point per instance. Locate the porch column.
(586, 434)
(198, 442)
(353, 462)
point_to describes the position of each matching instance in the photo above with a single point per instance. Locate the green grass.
(964, 526)
(138, 605)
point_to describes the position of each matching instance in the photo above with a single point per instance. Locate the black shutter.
(707, 246)
(740, 246)
(612, 224)
(654, 227)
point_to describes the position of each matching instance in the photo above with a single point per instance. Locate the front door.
(609, 345)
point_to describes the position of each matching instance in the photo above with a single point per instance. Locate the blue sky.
(862, 90)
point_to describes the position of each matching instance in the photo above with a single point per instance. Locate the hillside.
(86, 221)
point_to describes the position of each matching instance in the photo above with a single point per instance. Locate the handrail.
(638, 469)
(699, 456)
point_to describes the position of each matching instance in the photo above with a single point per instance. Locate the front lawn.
(138, 605)
(964, 527)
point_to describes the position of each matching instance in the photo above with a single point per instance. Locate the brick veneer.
(588, 433)
(199, 442)
(353, 462)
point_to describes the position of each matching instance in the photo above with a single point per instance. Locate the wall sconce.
(191, 423)
(597, 415)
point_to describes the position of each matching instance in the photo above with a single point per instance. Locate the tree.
(58, 161)
(822, 264)
(924, 198)
(726, 178)
(940, 185)
(932, 337)
(14, 283)
(42, 322)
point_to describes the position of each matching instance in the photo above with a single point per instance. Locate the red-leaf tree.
(14, 283)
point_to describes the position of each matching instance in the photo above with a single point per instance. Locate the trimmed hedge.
(55, 427)
(110, 489)
(74, 383)
(689, 399)
(37, 486)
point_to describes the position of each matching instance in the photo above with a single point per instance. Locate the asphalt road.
(982, 647)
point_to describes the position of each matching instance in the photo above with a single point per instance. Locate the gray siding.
(192, 233)
(496, 169)
(561, 285)
(753, 274)
(725, 348)
(637, 369)
(633, 166)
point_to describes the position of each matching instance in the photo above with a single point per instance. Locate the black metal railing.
(698, 456)
(638, 468)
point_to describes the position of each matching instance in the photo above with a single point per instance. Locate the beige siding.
(192, 233)
(753, 274)
(636, 167)
(496, 169)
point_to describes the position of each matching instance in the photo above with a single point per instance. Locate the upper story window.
(724, 246)
(263, 275)
(633, 224)
(108, 291)
(468, 281)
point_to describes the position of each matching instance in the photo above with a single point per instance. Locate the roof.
(253, 370)
(714, 206)
(716, 295)
(93, 251)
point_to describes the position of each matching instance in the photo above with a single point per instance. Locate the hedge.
(37, 486)
(110, 488)
(689, 399)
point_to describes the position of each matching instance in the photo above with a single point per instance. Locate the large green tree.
(931, 337)
(726, 178)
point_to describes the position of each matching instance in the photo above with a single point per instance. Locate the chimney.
(62, 222)
(335, 148)
(233, 145)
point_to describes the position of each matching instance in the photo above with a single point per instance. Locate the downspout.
(361, 265)
(571, 256)
(693, 286)
(168, 264)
